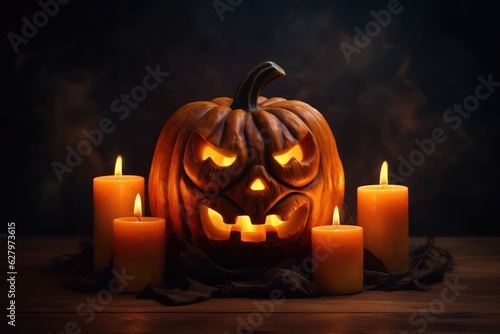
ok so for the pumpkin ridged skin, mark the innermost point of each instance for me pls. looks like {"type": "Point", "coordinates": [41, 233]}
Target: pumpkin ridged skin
{"type": "Point", "coordinates": [180, 181]}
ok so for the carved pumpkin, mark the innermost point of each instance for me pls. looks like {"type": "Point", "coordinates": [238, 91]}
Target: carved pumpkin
{"type": "Point", "coordinates": [246, 179]}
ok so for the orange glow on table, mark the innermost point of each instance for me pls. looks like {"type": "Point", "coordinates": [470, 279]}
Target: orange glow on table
{"type": "Point", "coordinates": [338, 256]}
{"type": "Point", "coordinates": [383, 214]}
{"type": "Point", "coordinates": [139, 249]}
{"type": "Point", "coordinates": [114, 197]}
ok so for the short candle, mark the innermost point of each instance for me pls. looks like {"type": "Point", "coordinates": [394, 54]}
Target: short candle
{"type": "Point", "coordinates": [338, 254]}
{"type": "Point", "coordinates": [383, 214]}
{"type": "Point", "coordinates": [139, 249]}
{"type": "Point", "coordinates": [114, 197]}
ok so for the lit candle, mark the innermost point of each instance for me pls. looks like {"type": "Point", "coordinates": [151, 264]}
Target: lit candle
{"type": "Point", "coordinates": [383, 214]}
{"type": "Point", "coordinates": [139, 249]}
{"type": "Point", "coordinates": [114, 197]}
{"type": "Point", "coordinates": [338, 254]}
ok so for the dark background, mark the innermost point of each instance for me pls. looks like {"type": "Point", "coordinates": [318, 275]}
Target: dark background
{"type": "Point", "coordinates": [394, 91]}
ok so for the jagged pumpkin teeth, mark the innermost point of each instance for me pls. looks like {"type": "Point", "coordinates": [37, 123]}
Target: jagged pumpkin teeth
{"type": "Point", "coordinates": [217, 229]}
{"type": "Point", "coordinates": [250, 232]}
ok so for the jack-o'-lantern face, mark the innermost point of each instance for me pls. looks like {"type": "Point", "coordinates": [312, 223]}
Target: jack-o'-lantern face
{"type": "Point", "coordinates": [246, 179]}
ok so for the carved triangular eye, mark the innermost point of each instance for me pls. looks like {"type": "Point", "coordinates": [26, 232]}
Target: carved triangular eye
{"type": "Point", "coordinates": [219, 156]}
{"type": "Point", "coordinates": [283, 157]}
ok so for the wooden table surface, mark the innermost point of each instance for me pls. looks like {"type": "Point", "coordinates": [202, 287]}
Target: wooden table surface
{"type": "Point", "coordinates": [468, 301]}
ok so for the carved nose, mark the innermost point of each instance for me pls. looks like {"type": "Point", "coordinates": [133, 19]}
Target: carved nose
{"type": "Point", "coordinates": [258, 185]}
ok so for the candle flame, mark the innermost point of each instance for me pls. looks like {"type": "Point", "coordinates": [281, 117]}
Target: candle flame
{"type": "Point", "coordinates": [384, 171]}
{"type": "Point", "coordinates": [336, 218]}
{"type": "Point", "coordinates": [138, 206]}
{"type": "Point", "coordinates": [118, 165]}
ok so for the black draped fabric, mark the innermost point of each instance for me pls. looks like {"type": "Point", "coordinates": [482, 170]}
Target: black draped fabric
{"type": "Point", "coordinates": [191, 276]}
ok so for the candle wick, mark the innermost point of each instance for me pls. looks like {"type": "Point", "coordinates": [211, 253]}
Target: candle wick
{"type": "Point", "coordinates": [139, 219]}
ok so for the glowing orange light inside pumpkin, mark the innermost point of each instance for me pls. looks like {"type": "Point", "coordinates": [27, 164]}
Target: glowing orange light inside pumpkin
{"type": "Point", "coordinates": [257, 184]}
{"type": "Point", "coordinates": [246, 224]}
{"type": "Point", "coordinates": [384, 171]}
{"type": "Point", "coordinates": [118, 165]}
{"type": "Point", "coordinates": [138, 206]}
{"type": "Point", "coordinates": [216, 229]}
{"type": "Point", "coordinates": [336, 217]}
{"type": "Point", "coordinates": [273, 220]}
{"type": "Point", "coordinates": [220, 157]}
{"type": "Point", "coordinates": [217, 220]}
{"type": "Point", "coordinates": [250, 232]}
{"type": "Point", "coordinates": [283, 157]}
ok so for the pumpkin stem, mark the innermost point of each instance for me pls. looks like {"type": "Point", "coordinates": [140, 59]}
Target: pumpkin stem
{"type": "Point", "coordinates": [252, 84]}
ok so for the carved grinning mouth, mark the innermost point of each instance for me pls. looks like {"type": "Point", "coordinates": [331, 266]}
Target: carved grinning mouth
{"type": "Point", "coordinates": [217, 229]}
